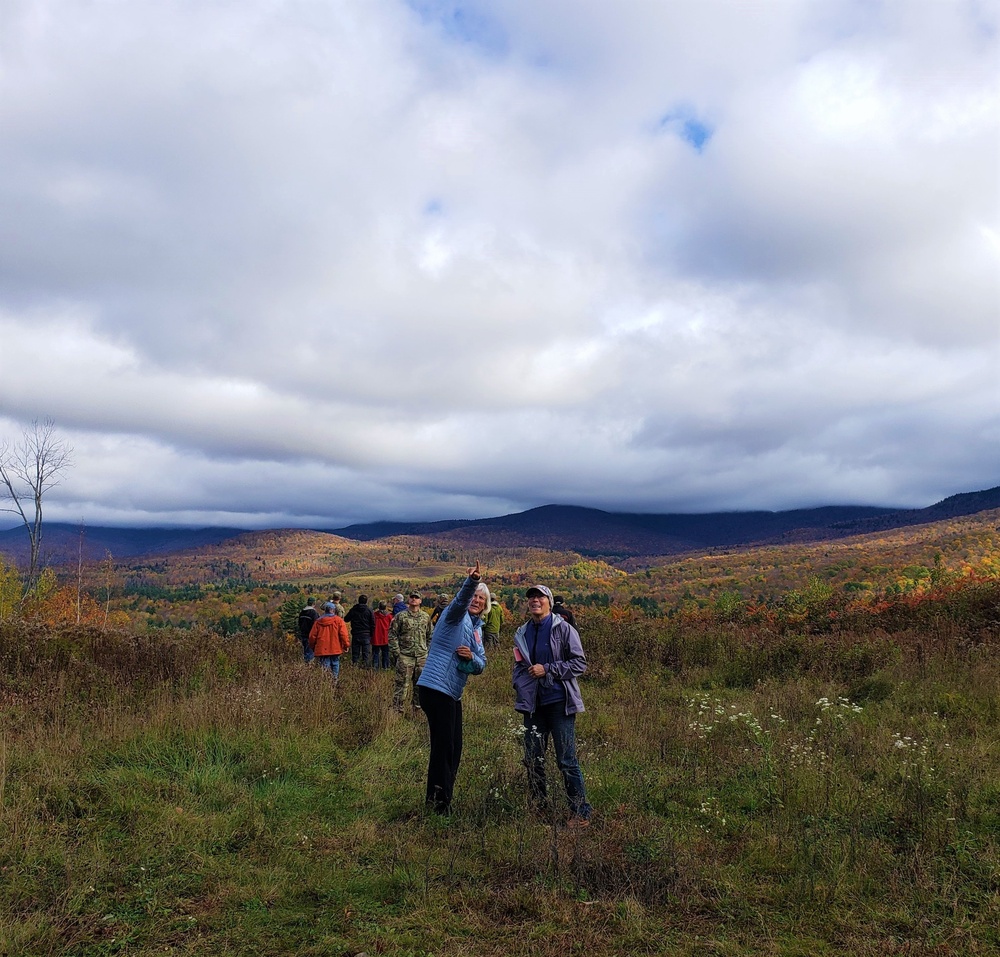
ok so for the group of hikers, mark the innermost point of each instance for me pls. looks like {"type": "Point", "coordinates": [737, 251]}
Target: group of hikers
{"type": "Point", "coordinates": [433, 656]}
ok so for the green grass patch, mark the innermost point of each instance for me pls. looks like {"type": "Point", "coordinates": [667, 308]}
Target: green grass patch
{"type": "Point", "coordinates": [779, 796]}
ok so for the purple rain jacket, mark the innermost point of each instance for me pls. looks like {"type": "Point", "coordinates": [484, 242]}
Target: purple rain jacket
{"type": "Point", "coordinates": [568, 663]}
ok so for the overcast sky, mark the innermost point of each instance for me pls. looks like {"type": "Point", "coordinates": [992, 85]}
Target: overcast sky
{"type": "Point", "coordinates": [313, 262]}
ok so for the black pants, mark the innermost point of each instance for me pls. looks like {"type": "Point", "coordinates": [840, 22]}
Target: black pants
{"type": "Point", "coordinates": [444, 720]}
{"type": "Point", "coordinates": [361, 651]}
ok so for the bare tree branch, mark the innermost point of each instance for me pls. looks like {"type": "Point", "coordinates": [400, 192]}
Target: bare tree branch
{"type": "Point", "coordinates": [29, 468]}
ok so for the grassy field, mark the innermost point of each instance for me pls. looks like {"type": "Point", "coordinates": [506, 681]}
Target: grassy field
{"type": "Point", "coordinates": [755, 793]}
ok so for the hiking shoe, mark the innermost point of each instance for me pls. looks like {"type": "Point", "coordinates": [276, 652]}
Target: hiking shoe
{"type": "Point", "coordinates": [578, 823]}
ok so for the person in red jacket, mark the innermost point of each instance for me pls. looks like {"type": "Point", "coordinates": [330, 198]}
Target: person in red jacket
{"type": "Point", "coordinates": [329, 639]}
{"type": "Point", "coordinates": [380, 637]}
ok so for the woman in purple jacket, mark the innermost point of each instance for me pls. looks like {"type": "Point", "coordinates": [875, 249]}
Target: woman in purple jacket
{"type": "Point", "coordinates": [548, 660]}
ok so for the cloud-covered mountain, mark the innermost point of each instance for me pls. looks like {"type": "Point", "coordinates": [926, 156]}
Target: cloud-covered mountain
{"type": "Point", "coordinates": [584, 530]}
{"type": "Point", "coordinates": [592, 531]}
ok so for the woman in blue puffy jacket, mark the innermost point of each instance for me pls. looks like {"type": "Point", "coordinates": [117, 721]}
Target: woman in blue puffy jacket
{"type": "Point", "coordinates": [455, 652]}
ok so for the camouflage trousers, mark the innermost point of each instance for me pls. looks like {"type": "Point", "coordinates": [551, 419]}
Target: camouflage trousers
{"type": "Point", "coordinates": [408, 668]}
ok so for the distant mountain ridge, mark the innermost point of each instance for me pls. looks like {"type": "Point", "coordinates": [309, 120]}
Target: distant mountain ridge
{"type": "Point", "coordinates": [61, 541]}
{"type": "Point", "coordinates": [965, 503]}
{"type": "Point", "coordinates": [588, 531]}
{"type": "Point", "coordinates": [596, 532]}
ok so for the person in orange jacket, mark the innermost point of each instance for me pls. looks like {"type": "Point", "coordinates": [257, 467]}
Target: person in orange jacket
{"type": "Point", "coordinates": [329, 639]}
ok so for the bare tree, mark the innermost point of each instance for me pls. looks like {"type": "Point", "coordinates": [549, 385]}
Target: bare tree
{"type": "Point", "coordinates": [29, 468]}
{"type": "Point", "coordinates": [109, 576]}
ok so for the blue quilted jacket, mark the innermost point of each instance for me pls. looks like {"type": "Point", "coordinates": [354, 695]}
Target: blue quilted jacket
{"type": "Point", "coordinates": [454, 628]}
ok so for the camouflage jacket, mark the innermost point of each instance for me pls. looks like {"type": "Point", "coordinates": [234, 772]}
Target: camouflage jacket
{"type": "Point", "coordinates": [409, 634]}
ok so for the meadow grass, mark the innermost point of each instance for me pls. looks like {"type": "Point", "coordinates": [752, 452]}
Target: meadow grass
{"type": "Point", "coordinates": [755, 793]}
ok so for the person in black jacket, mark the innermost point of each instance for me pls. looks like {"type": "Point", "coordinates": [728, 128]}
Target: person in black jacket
{"type": "Point", "coordinates": [307, 618]}
{"type": "Point", "coordinates": [560, 609]}
{"type": "Point", "coordinates": [439, 606]}
{"type": "Point", "coordinates": [362, 623]}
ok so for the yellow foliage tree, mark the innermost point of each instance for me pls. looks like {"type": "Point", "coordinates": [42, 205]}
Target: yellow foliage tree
{"type": "Point", "coordinates": [11, 589]}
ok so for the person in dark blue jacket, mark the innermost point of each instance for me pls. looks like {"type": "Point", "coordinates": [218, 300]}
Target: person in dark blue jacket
{"type": "Point", "coordinates": [362, 623]}
{"type": "Point", "coordinates": [455, 652]}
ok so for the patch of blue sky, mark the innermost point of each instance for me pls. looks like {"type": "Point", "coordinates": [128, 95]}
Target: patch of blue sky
{"type": "Point", "coordinates": [464, 23]}
{"type": "Point", "coordinates": [984, 25]}
{"type": "Point", "coordinates": [544, 62]}
{"type": "Point", "coordinates": [684, 123]}
{"type": "Point", "coordinates": [434, 207]}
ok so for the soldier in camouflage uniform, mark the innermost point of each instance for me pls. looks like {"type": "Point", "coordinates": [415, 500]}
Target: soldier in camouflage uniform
{"type": "Point", "coordinates": [408, 638]}
{"type": "Point", "coordinates": [338, 609]}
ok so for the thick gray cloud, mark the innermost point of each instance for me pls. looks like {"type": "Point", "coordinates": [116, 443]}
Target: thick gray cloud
{"type": "Point", "coordinates": [276, 263]}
